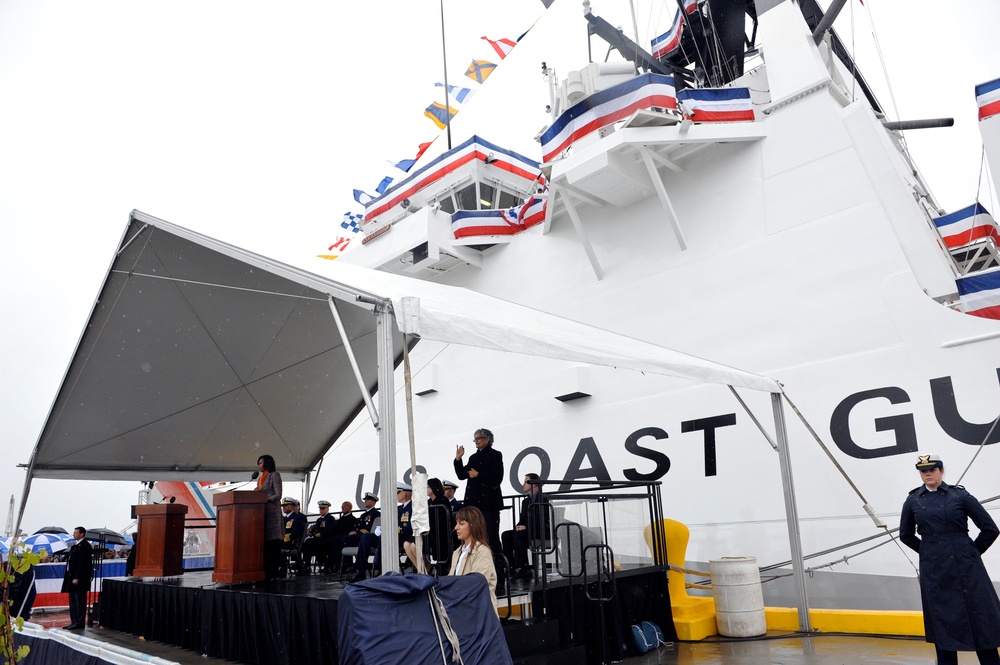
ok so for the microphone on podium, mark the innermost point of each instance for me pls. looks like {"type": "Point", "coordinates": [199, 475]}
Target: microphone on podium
{"type": "Point", "coordinates": [254, 475]}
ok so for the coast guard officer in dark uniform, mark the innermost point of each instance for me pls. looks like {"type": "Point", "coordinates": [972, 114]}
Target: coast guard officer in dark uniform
{"type": "Point", "coordinates": [961, 608]}
{"type": "Point", "coordinates": [449, 491]}
{"type": "Point", "coordinates": [318, 536]}
{"type": "Point", "coordinates": [404, 511]}
{"type": "Point", "coordinates": [295, 524]}
{"type": "Point", "coordinates": [295, 528]}
{"type": "Point", "coordinates": [361, 532]}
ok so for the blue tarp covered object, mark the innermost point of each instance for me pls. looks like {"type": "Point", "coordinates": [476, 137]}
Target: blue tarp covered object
{"type": "Point", "coordinates": [390, 620]}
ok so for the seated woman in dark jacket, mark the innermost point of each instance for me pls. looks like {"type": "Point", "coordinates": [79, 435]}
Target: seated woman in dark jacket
{"type": "Point", "coordinates": [437, 543]}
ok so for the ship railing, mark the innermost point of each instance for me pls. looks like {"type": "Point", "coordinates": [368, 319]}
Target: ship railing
{"type": "Point", "coordinates": [614, 513]}
{"type": "Point", "coordinates": [585, 532]}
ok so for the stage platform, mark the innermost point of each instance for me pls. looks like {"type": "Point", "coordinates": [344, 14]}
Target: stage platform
{"type": "Point", "coordinates": [294, 620]}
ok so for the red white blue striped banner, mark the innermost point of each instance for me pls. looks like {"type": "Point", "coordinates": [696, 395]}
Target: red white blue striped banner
{"type": "Point", "coordinates": [472, 149]}
{"type": "Point", "coordinates": [471, 223]}
{"type": "Point", "coordinates": [988, 99]}
{"type": "Point", "coordinates": [49, 579]}
{"type": "Point", "coordinates": [670, 40]}
{"type": "Point", "coordinates": [605, 108]}
{"type": "Point", "coordinates": [967, 225]}
{"type": "Point", "coordinates": [529, 213]}
{"type": "Point", "coordinates": [980, 295]}
{"type": "Point", "coordinates": [716, 104]}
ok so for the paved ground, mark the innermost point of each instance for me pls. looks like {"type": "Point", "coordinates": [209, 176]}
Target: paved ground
{"type": "Point", "coordinates": [774, 649]}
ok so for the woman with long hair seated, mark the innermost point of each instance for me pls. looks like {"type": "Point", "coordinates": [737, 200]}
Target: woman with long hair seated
{"type": "Point", "coordinates": [474, 555]}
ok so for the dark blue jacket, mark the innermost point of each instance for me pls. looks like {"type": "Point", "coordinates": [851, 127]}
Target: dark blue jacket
{"type": "Point", "coordinates": [404, 511]}
{"type": "Point", "coordinates": [961, 609]}
{"type": "Point", "coordinates": [366, 520]}
{"type": "Point", "coordinates": [295, 528]}
{"type": "Point", "coordinates": [324, 526]}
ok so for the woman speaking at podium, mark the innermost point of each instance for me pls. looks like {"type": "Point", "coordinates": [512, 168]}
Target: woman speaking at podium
{"type": "Point", "coordinates": [269, 482]}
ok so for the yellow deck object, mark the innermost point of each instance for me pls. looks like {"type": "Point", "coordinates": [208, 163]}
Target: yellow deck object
{"type": "Point", "coordinates": [862, 622]}
{"type": "Point", "coordinates": [694, 616]}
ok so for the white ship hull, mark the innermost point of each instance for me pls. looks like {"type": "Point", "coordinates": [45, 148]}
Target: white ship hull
{"type": "Point", "coordinates": [807, 258]}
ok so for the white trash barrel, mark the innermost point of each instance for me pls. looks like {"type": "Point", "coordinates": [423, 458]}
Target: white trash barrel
{"type": "Point", "coordinates": [739, 600]}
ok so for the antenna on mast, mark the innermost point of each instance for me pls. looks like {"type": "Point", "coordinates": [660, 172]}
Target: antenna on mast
{"type": "Point", "coordinates": [444, 60]}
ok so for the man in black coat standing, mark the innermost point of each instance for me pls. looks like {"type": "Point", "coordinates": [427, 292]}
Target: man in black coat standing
{"type": "Point", "coordinates": [76, 581]}
{"type": "Point", "coordinates": [484, 473]}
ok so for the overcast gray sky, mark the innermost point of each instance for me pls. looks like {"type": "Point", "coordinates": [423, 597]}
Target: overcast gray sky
{"type": "Point", "coordinates": [251, 122]}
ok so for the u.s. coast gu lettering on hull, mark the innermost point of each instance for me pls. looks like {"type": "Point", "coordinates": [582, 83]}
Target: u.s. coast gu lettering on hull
{"type": "Point", "coordinates": [646, 443]}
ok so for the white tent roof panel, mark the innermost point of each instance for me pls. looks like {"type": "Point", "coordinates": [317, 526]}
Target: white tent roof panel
{"type": "Point", "coordinates": [200, 356]}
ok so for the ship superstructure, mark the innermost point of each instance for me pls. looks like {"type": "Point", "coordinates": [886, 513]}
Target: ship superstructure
{"type": "Point", "coordinates": [800, 243]}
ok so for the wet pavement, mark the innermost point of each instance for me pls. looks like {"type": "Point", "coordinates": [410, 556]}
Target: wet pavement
{"type": "Point", "coordinates": [793, 649]}
{"type": "Point", "coordinates": [57, 619]}
{"type": "Point", "coordinates": [775, 648]}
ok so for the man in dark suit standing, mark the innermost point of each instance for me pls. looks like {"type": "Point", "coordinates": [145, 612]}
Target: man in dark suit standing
{"type": "Point", "coordinates": [484, 473]}
{"type": "Point", "coordinates": [76, 581]}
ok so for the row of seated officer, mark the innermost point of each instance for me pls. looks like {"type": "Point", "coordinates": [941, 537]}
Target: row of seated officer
{"type": "Point", "coordinates": [321, 537]}
{"type": "Point", "coordinates": [373, 541]}
{"type": "Point", "coordinates": [437, 547]}
{"type": "Point", "coordinates": [362, 527]}
{"type": "Point", "coordinates": [325, 539]}
{"type": "Point", "coordinates": [303, 542]}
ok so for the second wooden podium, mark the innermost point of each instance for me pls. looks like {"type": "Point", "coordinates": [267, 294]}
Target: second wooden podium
{"type": "Point", "coordinates": [239, 537]}
{"type": "Point", "coordinates": [160, 550]}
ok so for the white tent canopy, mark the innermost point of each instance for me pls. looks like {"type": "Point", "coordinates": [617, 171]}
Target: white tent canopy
{"type": "Point", "coordinates": [199, 356]}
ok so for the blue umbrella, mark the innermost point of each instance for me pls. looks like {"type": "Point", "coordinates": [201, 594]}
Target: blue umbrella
{"type": "Point", "coordinates": [50, 542]}
{"type": "Point", "coordinates": [5, 544]}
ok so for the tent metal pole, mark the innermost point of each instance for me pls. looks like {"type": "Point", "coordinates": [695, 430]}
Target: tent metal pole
{"type": "Point", "coordinates": [387, 433]}
{"type": "Point", "coordinates": [315, 480]}
{"type": "Point", "coordinates": [791, 513]}
{"type": "Point", "coordinates": [354, 363]}
{"type": "Point", "coordinates": [753, 417]}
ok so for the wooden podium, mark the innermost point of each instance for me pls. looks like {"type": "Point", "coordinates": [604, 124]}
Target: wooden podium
{"type": "Point", "coordinates": [161, 540]}
{"type": "Point", "coordinates": [239, 537]}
